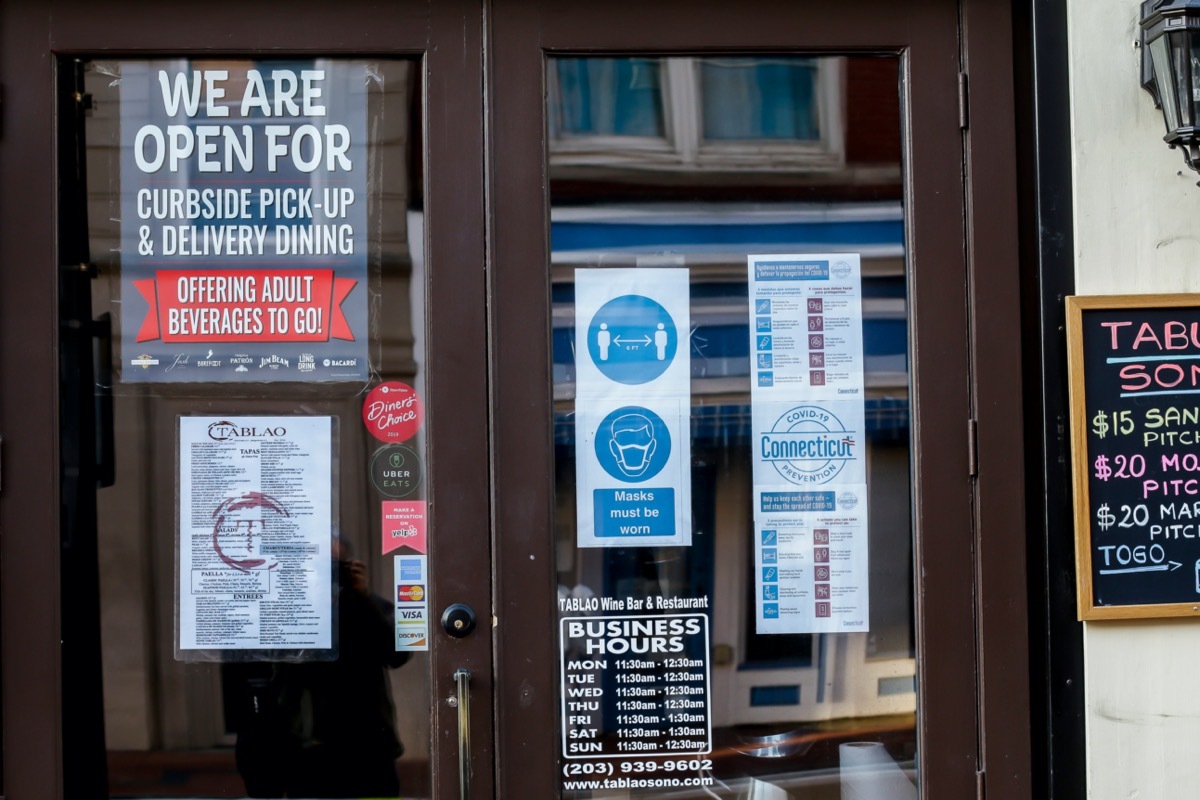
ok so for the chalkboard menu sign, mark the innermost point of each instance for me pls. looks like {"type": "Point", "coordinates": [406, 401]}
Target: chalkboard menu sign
{"type": "Point", "coordinates": [1135, 439]}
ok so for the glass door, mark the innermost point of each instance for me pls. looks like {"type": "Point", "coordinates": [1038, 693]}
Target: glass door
{"type": "Point", "coordinates": [589, 419]}
{"type": "Point", "coordinates": [269, 407]}
{"type": "Point", "coordinates": [264, 534]}
{"type": "Point", "coordinates": [750, 433]}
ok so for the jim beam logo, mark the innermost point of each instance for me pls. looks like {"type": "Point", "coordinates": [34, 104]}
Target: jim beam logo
{"type": "Point", "coordinates": [274, 362]}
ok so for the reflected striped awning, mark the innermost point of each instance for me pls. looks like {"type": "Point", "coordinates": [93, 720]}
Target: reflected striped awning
{"type": "Point", "coordinates": [729, 425]}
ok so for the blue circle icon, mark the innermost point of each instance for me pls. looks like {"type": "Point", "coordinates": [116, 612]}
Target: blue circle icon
{"type": "Point", "coordinates": [633, 444]}
{"type": "Point", "coordinates": [632, 339]}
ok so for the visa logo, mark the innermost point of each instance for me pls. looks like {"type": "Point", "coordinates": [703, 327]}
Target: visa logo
{"type": "Point", "coordinates": [417, 613]}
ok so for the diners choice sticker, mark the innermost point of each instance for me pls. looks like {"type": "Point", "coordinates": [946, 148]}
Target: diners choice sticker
{"type": "Point", "coordinates": [393, 412]}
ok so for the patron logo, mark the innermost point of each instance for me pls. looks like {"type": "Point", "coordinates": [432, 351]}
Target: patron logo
{"type": "Point", "coordinates": [225, 430]}
{"type": "Point", "coordinates": [808, 445]}
{"type": "Point", "coordinates": [410, 593]}
{"type": "Point", "coordinates": [240, 358]}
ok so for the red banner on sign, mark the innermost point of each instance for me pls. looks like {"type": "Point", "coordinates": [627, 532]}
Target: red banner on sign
{"type": "Point", "coordinates": [253, 305]}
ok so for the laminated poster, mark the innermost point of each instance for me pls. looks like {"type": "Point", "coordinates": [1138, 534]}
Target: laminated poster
{"type": "Point", "coordinates": [809, 444]}
{"type": "Point", "coordinates": [243, 221]}
{"type": "Point", "coordinates": [255, 533]}
{"type": "Point", "coordinates": [633, 407]}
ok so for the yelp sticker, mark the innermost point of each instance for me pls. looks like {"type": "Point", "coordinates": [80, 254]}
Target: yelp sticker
{"type": "Point", "coordinates": [393, 412]}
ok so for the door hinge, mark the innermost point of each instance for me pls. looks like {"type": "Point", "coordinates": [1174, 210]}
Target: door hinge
{"type": "Point", "coordinates": [979, 784]}
{"type": "Point", "coordinates": [972, 448]}
{"type": "Point", "coordinates": [964, 101]}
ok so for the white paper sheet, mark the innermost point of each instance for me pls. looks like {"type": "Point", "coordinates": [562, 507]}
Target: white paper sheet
{"type": "Point", "coordinates": [255, 533]}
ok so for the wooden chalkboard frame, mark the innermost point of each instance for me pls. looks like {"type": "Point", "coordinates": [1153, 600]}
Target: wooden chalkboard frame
{"type": "Point", "coordinates": [1076, 307]}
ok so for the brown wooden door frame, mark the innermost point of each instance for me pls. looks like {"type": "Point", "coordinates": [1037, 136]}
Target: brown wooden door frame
{"type": "Point", "coordinates": [983, 561]}
{"type": "Point", "coordinates": [448, 35]}
{"type": "Point", "coordinates": [994, 298]}
{"type": "Point", "coordinates": [971, 594]}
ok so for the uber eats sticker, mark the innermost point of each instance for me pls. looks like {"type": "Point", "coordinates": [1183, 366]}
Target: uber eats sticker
{"type": "Point", "coordinates": [632, 407]}
{"type": "Point", "coordinates": [396, 471]}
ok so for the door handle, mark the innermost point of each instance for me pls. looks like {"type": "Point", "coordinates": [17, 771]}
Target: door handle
{"type": "Point", "coordinates": [462, 677]}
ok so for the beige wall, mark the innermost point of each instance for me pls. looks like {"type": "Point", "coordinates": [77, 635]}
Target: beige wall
{"type": "Point", "coordinates": [1137, 230]}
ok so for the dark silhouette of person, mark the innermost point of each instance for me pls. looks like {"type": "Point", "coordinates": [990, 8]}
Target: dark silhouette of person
{"type": "Point", "coordinates": [326, 728]}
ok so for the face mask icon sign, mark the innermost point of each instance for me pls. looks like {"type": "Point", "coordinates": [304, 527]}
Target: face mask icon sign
{"type": "Point", "coordinates": [632, 444]}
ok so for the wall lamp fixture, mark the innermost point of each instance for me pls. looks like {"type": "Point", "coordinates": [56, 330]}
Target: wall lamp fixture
{"type": "Point", "coordinates": [1171, 70]}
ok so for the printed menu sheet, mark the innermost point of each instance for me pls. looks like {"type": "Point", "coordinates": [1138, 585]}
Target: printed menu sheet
{"type": "Point", "coordinates": [255, 533]}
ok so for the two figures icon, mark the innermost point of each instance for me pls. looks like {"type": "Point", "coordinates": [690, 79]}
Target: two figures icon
{"type": "Point", "coordinates": [604, 339]}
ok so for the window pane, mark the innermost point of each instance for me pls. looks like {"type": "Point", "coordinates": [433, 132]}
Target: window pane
{"type": "Point", "coordinates": [1162, 74]}
{"type": "Point", "coordinates": [711, 644]}
{"type": "Point", "coordinates": [245, 625]}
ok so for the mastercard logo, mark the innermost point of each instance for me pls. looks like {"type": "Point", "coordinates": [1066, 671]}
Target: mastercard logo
{"type": "Point", "coordinates": [412, 593]}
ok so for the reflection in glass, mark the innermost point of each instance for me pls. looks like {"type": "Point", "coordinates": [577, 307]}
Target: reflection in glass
{"type": "Point", "coordinates": [608, 97]}
{"type": "Point", "coordinates": [759, 98]}
{"type": "Point", "coordinates": [803, 713]}
{"type": "Point", "coordinates": [353, 726]}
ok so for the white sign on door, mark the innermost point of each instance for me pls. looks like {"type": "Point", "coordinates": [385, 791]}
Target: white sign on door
{"type": "Point", "coordinates": [809, 443]}
{"type": "Point", "coordinates": [633, 407]}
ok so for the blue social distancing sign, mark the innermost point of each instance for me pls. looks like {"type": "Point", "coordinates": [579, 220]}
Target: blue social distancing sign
{"type": "Point", "coordinates": [632, 339]}
{"type": "Point", "coordinates": [632, 407]}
